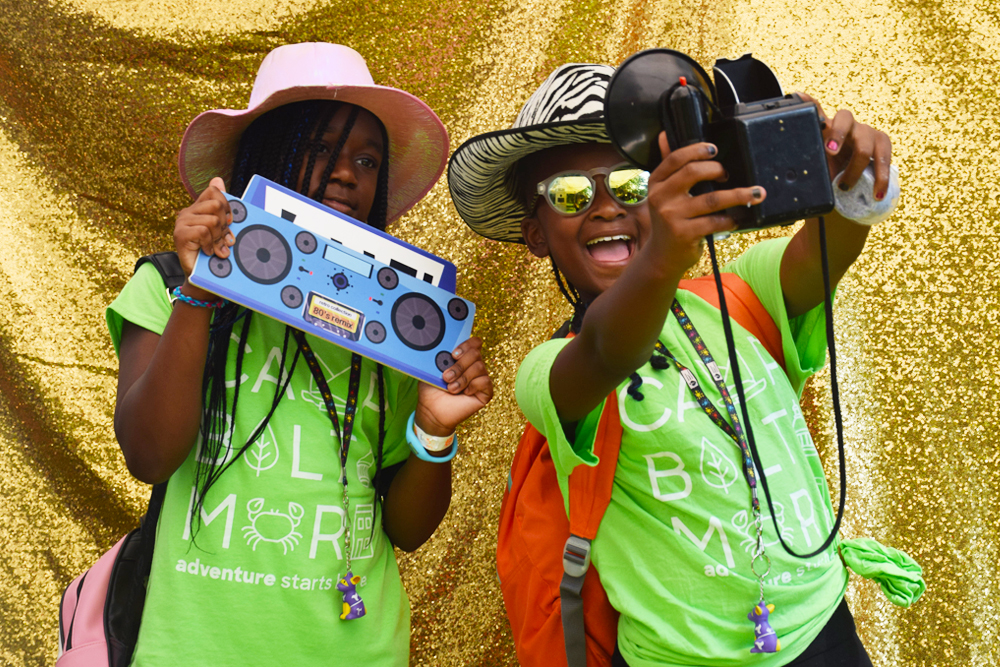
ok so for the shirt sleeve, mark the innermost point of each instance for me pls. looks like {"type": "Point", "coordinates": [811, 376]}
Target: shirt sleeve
{"type": "Point", "coordinates": [143, 301]}
{"type": "Point", "coordinates": [803, 338]}
{"type": "Point", "coordinates": [401, 398]}
{"type": "Point", "coordinates": [535, 400]}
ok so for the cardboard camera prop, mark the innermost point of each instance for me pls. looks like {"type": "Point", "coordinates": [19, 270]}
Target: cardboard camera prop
{"type": "Point", "coordinates": [764, 137]}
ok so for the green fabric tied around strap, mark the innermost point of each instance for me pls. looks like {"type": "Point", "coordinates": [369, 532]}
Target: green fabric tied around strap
{"type": "Point", "coordinates": [899, 575]}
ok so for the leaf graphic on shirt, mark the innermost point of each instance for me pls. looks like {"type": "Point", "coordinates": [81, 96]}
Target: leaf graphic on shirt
{"type": "Point", "coordinates": [717, 469]}
{"type": "Point", "coordinates": [262, 454]}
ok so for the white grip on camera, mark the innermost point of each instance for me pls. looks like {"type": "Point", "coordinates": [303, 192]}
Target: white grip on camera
{"type": "Point", "coordinates": [859, 203]}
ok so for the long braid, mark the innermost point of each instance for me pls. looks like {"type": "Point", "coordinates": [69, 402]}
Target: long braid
{"type": "Point", "coordinates": [331, 163]}
{"type": "Point", "coordinates": [572, 295]}
{"type": "Point", "coordinates": [217, 418]}
{"type": "Point", "coordinates": [271, 137]}
{"type": "Point", "coordinates": [380, 207]}
{"type": "Point", "coordinates": [299, 136]}
{"type": "Point", "coordinates": [315, 144]}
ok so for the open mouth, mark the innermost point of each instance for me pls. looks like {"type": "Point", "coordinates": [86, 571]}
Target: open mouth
{"type": "Point", "coordinates": [611, 249]}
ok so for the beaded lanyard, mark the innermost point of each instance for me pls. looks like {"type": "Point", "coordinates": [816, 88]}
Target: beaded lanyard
{"type": "Point", "coordinates": [353, 607]}
{"type": "Point", "coordinates": [766, 638]}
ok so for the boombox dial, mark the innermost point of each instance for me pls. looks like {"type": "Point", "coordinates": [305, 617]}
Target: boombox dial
{"type": "Point", "coordinates": [291, 296]}
{"type": "Point", "coordinates": [458, 309]}
{"type": "Point", "coordinates": [444, 361]}
{"type": "Point", "coordinates": [220, 266]}
{"type": "Point", "coordinates": [238, 210]}
{"type": "Point", "coordinates": [305, 242]}
{"type": "Point", "coordinates": [262, 254]}
{"type": "Point", "coordinates": [375, 332]}
{"type": "Point", "coordinates": [418, 321]}
{"type": "Point", "coordinates": [387, 278]}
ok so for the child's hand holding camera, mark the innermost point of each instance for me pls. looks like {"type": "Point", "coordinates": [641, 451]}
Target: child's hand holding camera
{"type": "Point", "coordinates": [683, 219]}
{"type": "Point", "coordinates": [851, 146]}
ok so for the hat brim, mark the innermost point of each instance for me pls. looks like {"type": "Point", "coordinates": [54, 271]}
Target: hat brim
{"type": "Point", "coordinates": [482, 181]}
{"type": "Point", "coordinates": [418, 141]}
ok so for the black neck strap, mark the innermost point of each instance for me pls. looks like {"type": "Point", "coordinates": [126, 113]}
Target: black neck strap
{"type": "Point", "coordinates": [350, 409]}
{"type": "Point", "coordinates": [834, 392]}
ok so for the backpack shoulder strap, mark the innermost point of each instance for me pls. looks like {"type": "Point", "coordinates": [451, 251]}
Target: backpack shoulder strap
{"type": "Point", "coordinates": [169, 266]}
{"type": "Point", "coordinates": [589, 495]}
{"type": "Point", "coordinates": [744, 307]}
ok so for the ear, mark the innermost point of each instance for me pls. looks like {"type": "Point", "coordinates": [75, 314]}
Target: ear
{"type": "Point", "coordinates": [770, 607]}
{"type": "Point", "coordinates": [356, 579]}
{"type": "Point", "coordinates": [534, 236]}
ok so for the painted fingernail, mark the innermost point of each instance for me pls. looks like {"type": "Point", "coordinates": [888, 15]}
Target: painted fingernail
{"type": "Point", "coordinates": [457, 352]}
{"type": "Point", "coordinates": [756, 193]}
{"type": "Point", "coordinates": [843, 187]}
{"type": "Point", "coordinates": [833, 145]}
{"type": "Point", "coordinates": [880, 196]}
{"type": "Point", "coordinates": [712, 150]}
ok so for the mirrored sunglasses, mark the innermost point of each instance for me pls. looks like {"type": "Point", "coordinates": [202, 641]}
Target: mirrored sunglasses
{"type": "Point", "coordinates": [572, 192]}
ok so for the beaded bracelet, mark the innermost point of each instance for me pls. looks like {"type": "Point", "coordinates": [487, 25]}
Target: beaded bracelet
{"type": "Point", "coordinates": [180, 296]}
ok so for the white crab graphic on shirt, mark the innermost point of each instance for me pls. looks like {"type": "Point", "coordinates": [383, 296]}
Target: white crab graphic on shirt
{"type": "Point", "coordinates": [272, 525]}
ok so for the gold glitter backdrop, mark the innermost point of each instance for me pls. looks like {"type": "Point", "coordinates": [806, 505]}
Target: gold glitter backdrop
{"type": "Point", "coordinates": [94, 95]}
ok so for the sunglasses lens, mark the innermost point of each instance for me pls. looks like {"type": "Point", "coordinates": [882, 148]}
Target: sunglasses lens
{"type": "Point", "coordinates": [629, 186]}
{"type": "Point", "coordinates": [570, 194]}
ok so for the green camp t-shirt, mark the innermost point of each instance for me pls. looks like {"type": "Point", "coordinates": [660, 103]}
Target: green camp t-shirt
{"type": "Point", "coordinates": [673, 549]}
{"type": "Point", "coordinates": [256, 585]}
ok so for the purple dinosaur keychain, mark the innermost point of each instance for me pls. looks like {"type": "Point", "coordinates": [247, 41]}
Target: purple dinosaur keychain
{"type": "Point", "coordinates": [765, 638]}
{"type": "Point", "coordinates": [354, 606]}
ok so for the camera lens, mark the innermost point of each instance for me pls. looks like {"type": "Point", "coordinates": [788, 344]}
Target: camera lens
{"type": "Point", "coordinates": [791, 175]}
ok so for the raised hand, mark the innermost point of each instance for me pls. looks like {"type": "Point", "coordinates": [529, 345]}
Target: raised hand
{"type": "Point", "coordinates": [204, 225]}
{"type": "Point", "coordinates": [470, 388]}
{"type": "Point", "coordinates": [851, 146]}
{"type": "Point", "coordinates": [686, 220]}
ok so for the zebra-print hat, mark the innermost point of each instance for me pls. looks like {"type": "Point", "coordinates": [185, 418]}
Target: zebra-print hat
{"type": "Point", "coordinates": [568, 108]}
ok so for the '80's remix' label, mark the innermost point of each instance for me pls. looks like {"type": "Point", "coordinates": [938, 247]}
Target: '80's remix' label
{"type": "Point", "coordinates": [333, 316]}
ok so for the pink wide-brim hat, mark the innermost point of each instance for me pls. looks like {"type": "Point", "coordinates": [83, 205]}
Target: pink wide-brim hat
{"type": "Point", "coordinates": [418, 141]}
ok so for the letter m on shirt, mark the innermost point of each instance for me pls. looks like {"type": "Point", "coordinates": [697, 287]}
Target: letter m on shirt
{"type": "Point", "coordinates": [713, 525]}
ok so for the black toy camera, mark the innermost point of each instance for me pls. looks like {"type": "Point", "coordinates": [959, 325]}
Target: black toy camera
{"type": "Point", "coordinates": [764, 137]}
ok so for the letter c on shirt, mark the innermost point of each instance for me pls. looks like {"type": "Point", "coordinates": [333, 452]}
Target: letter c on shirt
{"type": "Point", "coordinates": [646, 382]}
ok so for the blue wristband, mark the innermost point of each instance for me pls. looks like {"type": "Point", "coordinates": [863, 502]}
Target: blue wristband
{"type": "Point", "coordinates": [418, 448]}
{"type": "Point", "coordinates": [184, 298]}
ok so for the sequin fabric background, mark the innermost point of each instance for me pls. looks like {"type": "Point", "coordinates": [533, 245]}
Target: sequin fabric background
{"type": "Point", "coordinates": [94, 96]}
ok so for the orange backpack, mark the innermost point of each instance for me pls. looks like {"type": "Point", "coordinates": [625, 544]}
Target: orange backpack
{"type": "Point", "coordinates": [559, 613]}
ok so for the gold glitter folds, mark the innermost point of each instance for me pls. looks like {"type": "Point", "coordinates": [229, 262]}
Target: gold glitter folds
{"type": "Point", "coordinates": [94, 95]}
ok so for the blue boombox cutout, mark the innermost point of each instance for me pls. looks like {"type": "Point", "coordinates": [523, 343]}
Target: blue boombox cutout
{"type": "Point", "coordinates": [328, 289]}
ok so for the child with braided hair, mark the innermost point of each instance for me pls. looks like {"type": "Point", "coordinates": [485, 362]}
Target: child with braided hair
{"type": "Point", "coordinates": [294, 467]}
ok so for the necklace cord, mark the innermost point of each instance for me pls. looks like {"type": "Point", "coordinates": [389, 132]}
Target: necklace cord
{"type": "Point", "coordinates": [834, 392]}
